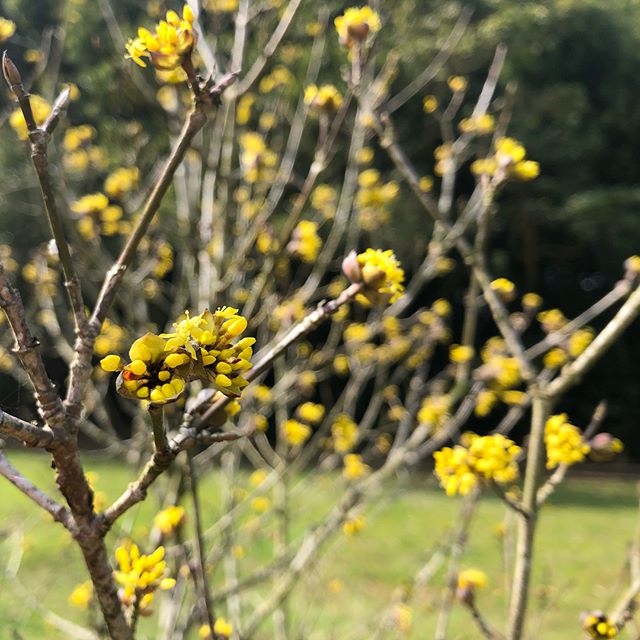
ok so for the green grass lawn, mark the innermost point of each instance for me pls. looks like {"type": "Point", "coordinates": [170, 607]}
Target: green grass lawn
{"type": "Point", "coordinates": [582, 546]}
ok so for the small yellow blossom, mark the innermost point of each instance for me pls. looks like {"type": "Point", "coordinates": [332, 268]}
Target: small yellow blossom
{"type": "Point", "coordinates": [7, 29]}
{"type": "Point", "coordinates": [380, 272]}
{"type": "Point", "coordinates": [41, 110]}
{"type": "Point", "coordinates": [473, 578]}
{"type": "Point", "coordinates": [564, 442]}
{"type": "Point", "coordinates": [491, 458]}
{"type": "Point", "coordinates": [260, 504]}
{"type": "Point", "coordinates": [81, 596]}
{"type": "Point", "coordinates": [430, 104]}
{"type": "Point", "coordinates": [325, 98]}
{"type": "Point", "coordinates": [169, 46]}
{"type": "Point", "coordinates": [139, 575]}
{"type": "Point", "coordinates": [460, 353]}
{"type": "Point", "coordinates": [598, 625]}
{"type": "Point", "coordinates": [121, 181]}
{"type": "Point", "coordinates": [457, 83]}
{"type": "Point", "coordinates": [344, 432]}
{"type": "Point", "coordinates": [485, 402]}
{"type": "Point", "coordinates": [403, 617]}
{"type": "Point", "coordinates": [356, 24]}
{"type": "Point", "coordinates": [480, 125]}
{"type": "Point", "coordinates": [504, 288]}
{"type": "Point", "coordinates": [310, 412]}
{"type": "Point", "coordinates": [579, 340]}
{"type": "Point", "coordinates": [434, 410]}
{"type": "Point", "coordinates": [77, 137]}
{"type": "Point", "coordinates": [169, 519]}
{"type": "Point", "coordinates": [531, 301]}
{"type": "Point", "coordinates": [296, 433]}
{"type": "Point", "coordinates": [555, 358]}
{"type": "Point", "coordinates": [353, 525]}
{"type": "Point", "coordinates": [305, 241]}
{"type": "Point", "coordinates": [354, 467]}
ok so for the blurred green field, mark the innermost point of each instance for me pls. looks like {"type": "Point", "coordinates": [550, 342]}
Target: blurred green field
{"type": "Point", "coordinates": [582, 547]}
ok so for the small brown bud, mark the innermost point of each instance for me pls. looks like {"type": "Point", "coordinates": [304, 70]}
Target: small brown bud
{"type": "Point", "coordinates": [351, 268]}
{"type": "Point", "coordinates": [10, 71]}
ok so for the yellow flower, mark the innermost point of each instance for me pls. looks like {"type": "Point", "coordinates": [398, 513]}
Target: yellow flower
{"type": "Point", "coordinates": [169, 46]}
{"type": "Point", "coordinates": [460, 353]}
{"type": "Point", "coordinates": [41, 110]}
{"type": "Point", "coordinates": [260, 504]}
{"type": "Point", "coordinates": [485, 402]}
{"type": "Point", "coordinates": [531, 301]}
{"type": "Point", "coordinates": [354, 467]}
{"type": "Point", "coordinates": [430, 104]}
{"type": "Point", "coordinates": [77, 137]}
{"type": "Point", "coordinates": [325, 98]}
{"type": "Point", "coordinates": [564, 442]}
{"type": "Point", "coordinates": [356, 24]}
{"type": "Point", "coordinates": [504, 288]}
{"type": "Point", "coordinates": [7, 28]}
{"type": "Point", "coordinates": [153, 374]}
{"type": "Point", "coordinates": [457, 83]}
{"type": "Point", "coordinates": [555, 358]}
{"type": "Point", "coordinates": [579, 340]}
{"type": "Point", "coordinates": [473, 578]}
{"type": "Point", "coordinates": [139, 575]}
{"type": "Point", "coordinates": [490, 458]}
{"type": "Point", "coordinates": [379, 271]}
{"type": "Point", "coordinates": [344, 432]}
{"type": "Point", "coordinates": [121, 181]}
{"type": "Point", "coordinates": [295, 432]}
{"type": "Point", "coordinates": [81, 595]}
{"type": "Point", "coordinates": [207, 338]}
{"type": "Point", "coordinates": [305, 241]}
{"type": "Point", "coordinates": [434, 410]}
{"type": "Point", "coordinates": [353, 525]}
{"type": "Point", "coordinates": [426, 183]}
{"type": "Point", "coordinates": [169, 519]}
{"type": "Point", "coordinates": [551, 320]}
{"type": "Point", "coordinates": [403, 617]}
{"type": "Point", "coordinates": [479, 124]}
{"type": "Point", "coordinates": [598, 625]}
{"type": "Point", "coordinates": [310, 412]}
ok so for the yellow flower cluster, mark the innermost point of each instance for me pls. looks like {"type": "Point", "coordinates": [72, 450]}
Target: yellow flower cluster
{"type": "Point", "coordinates": [435, 410]}
{"type": "Point", "coordinates": [374, 198]}
{"type": "Point", "coordinates": [82, 594]}
{"type": "Point", "coordinates": [344, 432]}
{"type": "Point", "coordinates": [310, 412]}
{"type": "Point", "coordinates": [200, 348]}
{"type": "Point", "coordinates": [324, 199]}
{"type": "Point", "coordinates": [41, 110]}
{"type": "Point", "coordinates": [380, 273]}
{"type": "Point", "coordinates": [257, 161]}
{"type": "Point", "coordinates": [7, 28]}
{"type": "Point", "coordinates": [169, 46]}
{"type": "Point", "coordinates": [111, 338]}
{"type": "Point", "coordinates": [169, 519]}
{"type": "Point", "coordinates": [221, 628]}
{"type": "Point", "coordinates": [509, 161]}
{"type": "Point", "coordinates": [598, 625]}
{"type": "Point", "coordinates": [140, 575]}
{"type": "Point", "coordinates": [80, 153]}
{"type": "Point", "coordinates": [564, 442]}
{"type": "Point", "coordinates": [356, 24]}
{"type": "Point", "coordinates": [280, 76]}
{"type": "Point", "coordinates": [305, 241]}
{"type": "Point", "coordinates": [96, 215]}
{"type": "Point", "coordinates": [325, 99]}
{"type": "Point", "coordinates": [468, 581]}
{"type": "Point", "coordinates": [207, 338]}
{"type": "Point", "coordinates": [77, 137]}
{"type": "Point", "coordinates": [354, 467]}
{"type": "Point", "coordinates": [353, 525]}
{"type": "Point", "coordinates": [480, 125]}
{"type": "Point", "coordinates": [491, 458]}
{"type": "Point", "coordinates": [119, 182]}
{"type": "Point", "coordinates": [295, 433]}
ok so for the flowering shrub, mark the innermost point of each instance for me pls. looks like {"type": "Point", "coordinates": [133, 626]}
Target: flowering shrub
{"type": "Point", "coordinates": [360, 369]}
